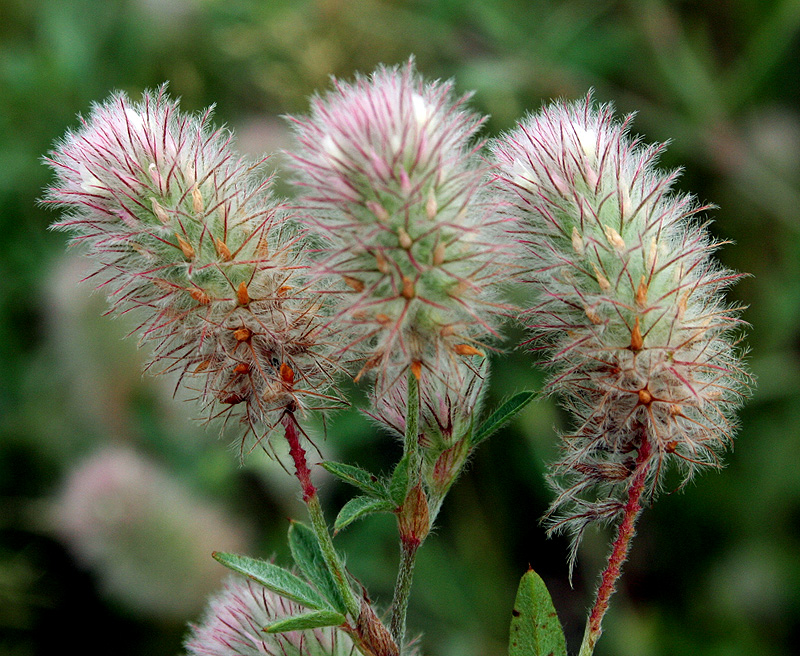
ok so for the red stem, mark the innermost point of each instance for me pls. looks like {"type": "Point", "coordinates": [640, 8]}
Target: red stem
{"type": "Point", "coordinates": [619, 551]}
{"type": "Point", "coordinates": [298, 454]}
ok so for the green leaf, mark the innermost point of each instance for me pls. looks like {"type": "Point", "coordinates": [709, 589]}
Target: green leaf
{"type": "Point", "coordinates": [504, 413]}
{"type": "Point", "coordinates": [277, 579]}
{"type": "Point", "coordinates": [398, 485]}
{"type": "Point", "coordinates": [308, 556]}
{"type": "Point", "coordinates": [359, 507]}
{"type": "Point", "coordinates": [358, 477]}
{"type": "Point", "coordinates": [313, 620]}
{"type": "Point", "coordinates": [535, 629]}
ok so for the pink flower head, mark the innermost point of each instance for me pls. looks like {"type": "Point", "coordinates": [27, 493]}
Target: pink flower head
{"type": "Point", "coordinates": [144, 534]}
{"type": "Point", "coordinates": [396, 190]}
{"type": "Point", "coordinates": [628, 306]}
{"type": "Point", "coordinates": [234, 621]}
{"type": "Point", "coordinates": [188, 234]}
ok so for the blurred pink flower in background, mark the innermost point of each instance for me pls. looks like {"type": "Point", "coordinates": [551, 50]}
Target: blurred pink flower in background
{"type": "Point", "coordinates": [146, 536]}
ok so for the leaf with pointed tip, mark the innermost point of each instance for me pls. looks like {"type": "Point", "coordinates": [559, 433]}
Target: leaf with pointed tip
{"type": "Point", "coordinates": [358, 507]}
{"type": "Point", "coordinates": [314, 620]}
{"type": "Point", "coordinates": [358, 477]}
{"type": "Point", "coordinates": [503, 414]}
{"type": "Point", "coordinates": [535, 629]}
{"type": "Point", "coordinates": [308, 556]}
{"type": "Point", "coordinates": [398, 484]}
{"type": "Point", "coordinates": [277, 579]}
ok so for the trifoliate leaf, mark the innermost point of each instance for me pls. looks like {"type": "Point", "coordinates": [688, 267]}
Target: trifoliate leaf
{"type": "Point", "coordinates": [358, 477]}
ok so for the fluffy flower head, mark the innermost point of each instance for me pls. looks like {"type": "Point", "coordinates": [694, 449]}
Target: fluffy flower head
{"type": "Point", "coordinates": [144, 534]}
{"type": "Point", "coordinates": [628, 305]}
{"type": "Point", "coordinates": [188, 234]}
{"type": "Point", "coordinates": [395, 190]}
{"type": "Point", "coordinates": [234, 621]}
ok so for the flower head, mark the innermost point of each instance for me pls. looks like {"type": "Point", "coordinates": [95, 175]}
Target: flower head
{"type": "Point", "coordinates": [188, 234]}
{"type": "Point", "coordinates": [449, 405]}
{"type": "Point", "coordinates": [144, 534]}
{"type": "Point", "coordinates": [234, 621]}
{"type": "Point", "coordinates": [628, 306]}
{"type": "Point", "coordinates": [396, 191]}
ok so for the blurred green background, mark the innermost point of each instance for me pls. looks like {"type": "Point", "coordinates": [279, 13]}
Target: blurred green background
{"type": "Point", "coordinates": [107, 551]}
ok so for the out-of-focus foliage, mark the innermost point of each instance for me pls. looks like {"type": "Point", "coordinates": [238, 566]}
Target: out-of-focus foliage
{"type": "Point", "coordinates": [714, 568]}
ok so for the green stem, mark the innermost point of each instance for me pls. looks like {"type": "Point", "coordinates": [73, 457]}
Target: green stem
{"type": "Point", "coordinates": [320, 527]}
{"type": "Point", "coordinates": [408, 543]}
{"type": "Point", "coordinates": [402, 591]}
{"type": "Point", "coordinates": [318, 523]}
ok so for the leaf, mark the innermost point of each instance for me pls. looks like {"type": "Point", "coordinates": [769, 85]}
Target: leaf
{"type": "Point", "coordinates": [308, 556]}
{"type": "Point", "coordinates": [358, 507]}
{"type": "Point", "coordinates": [535, 629]}
{"type": "Point", "coordinates": [358, 477]}
{"type": "Point", "coordinates": [503, 414]}
{"type": "Point", "coordinates": [313, 620]}
{"type": "Point", "coordinates": [277, 579]}
{"type": "Point", "coordinates": [398, 485]}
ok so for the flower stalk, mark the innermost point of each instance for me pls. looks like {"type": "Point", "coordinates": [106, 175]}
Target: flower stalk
{"type": "Point", "coordinates": [402, 590]}
{"type": "Point", "coordinates": [619, 551]}
{"type": "Point", "coordinates": [389, 268]}
{"type": "Point", "coordinates": [317, 516]}
{"type": "Point", "coordinates": [411, 437]}
{"type": "Point", "coordinates": [397, 196]}
{"type": "Point", "coordinates": [412, 517]}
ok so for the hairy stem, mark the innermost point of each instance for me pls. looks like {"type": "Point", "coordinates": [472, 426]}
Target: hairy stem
{"type": "Point", "coordinates": [619, 551]}
{"type": "Point", "coordinates": [318, 523]}
{"type": "Point", "coordinates": [409, 541]}
{"type": "Point", "coordinates": [402, 591]}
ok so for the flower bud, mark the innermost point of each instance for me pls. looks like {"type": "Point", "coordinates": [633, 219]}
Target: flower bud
{"type": "Point", "coordinates": [414, 517]}
{"type": "Point", "coordinates": [449, 404]}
